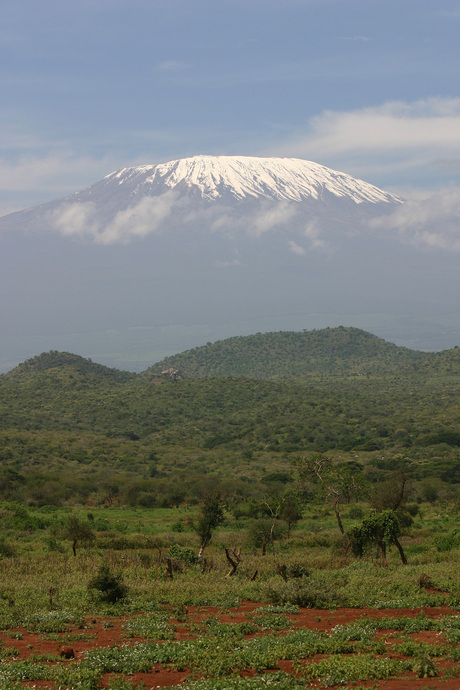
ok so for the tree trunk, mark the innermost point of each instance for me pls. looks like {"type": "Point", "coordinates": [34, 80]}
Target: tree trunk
{"type": "Point", "coordinates": [204, 543]}
{"type": "Point", "coordinates": [233, 564]}
{"type": "Point", "coordinates": [169, 569]}
{"type": "Point", "coordinates": [337, 515]}
{"type": "Point", "coordinates": [401, 552]}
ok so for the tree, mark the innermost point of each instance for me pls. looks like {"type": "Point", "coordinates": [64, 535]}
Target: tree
{"type": "Point", "coordinates": [109, 586]}
{"type": "Point", "coordinates": [78, 532]}
{"type": "Point", "coordinates": [291, 511]}
{"type": "Point", "coordinates": [262, 532]}
{"type": "Point", "coordinates": [211, 516]}
{"type": "Point", "coordinates": [339, 482]}
{"type": "Point", "coordinates": [393, 495]}
{"type": "Point", "coordinates": [382, 529]}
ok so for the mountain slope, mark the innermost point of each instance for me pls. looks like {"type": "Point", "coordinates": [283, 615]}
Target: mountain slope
{"type": "Point", "coordinates": [293, 355]}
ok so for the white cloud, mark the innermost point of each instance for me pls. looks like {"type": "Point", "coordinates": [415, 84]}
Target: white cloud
{"type": "Point", "coordinates": [273, 217]}
{"type": "Point", "coordinates": [172, 66]}
{"type": "Point", "coordinates": [228, 264]}
{"type": "Point", "coordinates": [427, 220]}
{"type": "Point", "coordinates": [143, 219]}
{"type": "Point", "coordinates": [59, 172]}
{"type": "Point", "coordinates": [75, 220]}
{"type": "Point", "coordinates": [361, 39]}
{"type": "Point", "coordinates": [396, 137]}
{"type": "Point", "coordinates": [432, 123]}
{"type": "Point", "coordinates": [296, 248]}
{"type": "Point", "coordinates": [140, 220]}
{"type": "Point", "coordinates": [312, 232]}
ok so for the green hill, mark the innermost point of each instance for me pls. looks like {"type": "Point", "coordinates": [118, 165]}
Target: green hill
{"type": "Point", "coordinates": [244, 408]}
{"type": "Point", "coordinates": [65, 366]}
{"type": "Point", "coordinates": [339, 351]}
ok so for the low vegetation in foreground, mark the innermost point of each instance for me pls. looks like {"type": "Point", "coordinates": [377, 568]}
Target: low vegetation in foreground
{"type": "Point", "coordinates": [118, 598]}
{"type": "Point", "coordinates": [283, 513]}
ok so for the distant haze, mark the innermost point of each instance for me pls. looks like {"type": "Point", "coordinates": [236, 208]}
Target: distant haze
{"type": "Point", "coordinates": [157, 259]}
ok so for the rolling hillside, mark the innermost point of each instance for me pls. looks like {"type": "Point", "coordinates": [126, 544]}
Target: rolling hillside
{"type": "Point", "coordinates": [335, 351]}
{"type": "Point", "coordinates": [244, 409]}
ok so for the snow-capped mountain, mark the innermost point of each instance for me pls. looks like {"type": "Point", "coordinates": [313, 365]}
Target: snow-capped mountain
{"type": "Point", "coordinates": [226, 193]}
{"type": "Point", "coordinates": [242, 177]}
{"type": "Point", "coordinates": [154, 259]}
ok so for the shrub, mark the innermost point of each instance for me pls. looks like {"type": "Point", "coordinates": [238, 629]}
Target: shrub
{"type": "Point", "coordinates": [7, 550]}
{"type": "Point", "coordinates": [449, 541]}
{"type": "Point", "coordinates": [108, 586]}
{"type": "Point", "coordinates": [183, 554]}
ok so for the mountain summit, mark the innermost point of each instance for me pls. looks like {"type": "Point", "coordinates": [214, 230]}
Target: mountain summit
{"type": "Point", "coordinates": [240, 177]}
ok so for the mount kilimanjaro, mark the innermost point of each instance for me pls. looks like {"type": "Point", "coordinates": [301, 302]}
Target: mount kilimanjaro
{"type": "Point", "coordinates": [154, 259]}
{"type": "Point", "coordinates": [142, 200]}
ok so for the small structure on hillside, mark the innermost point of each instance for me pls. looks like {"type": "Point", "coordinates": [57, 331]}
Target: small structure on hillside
{"type": "Point", "coordinates": [171, 373]}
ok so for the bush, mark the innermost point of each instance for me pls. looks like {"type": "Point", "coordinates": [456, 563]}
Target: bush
{"type": "Point", "coordinates": [6, 550]}
{"type": "Point", "coordinates": [449, 541]}
{"type": "Point", "coordinates": [182, 554]}
{"type": "Point", "coordinates": [108, 586]}
{"type": "Point", "coordinates": [301, 593]}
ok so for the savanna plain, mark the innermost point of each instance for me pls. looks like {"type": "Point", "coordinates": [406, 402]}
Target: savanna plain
{"type": "Point", "coordinates": [278, 510]}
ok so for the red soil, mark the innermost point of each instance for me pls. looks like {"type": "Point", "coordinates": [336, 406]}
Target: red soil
{"type": "Point", "coordinates": [100, 635]}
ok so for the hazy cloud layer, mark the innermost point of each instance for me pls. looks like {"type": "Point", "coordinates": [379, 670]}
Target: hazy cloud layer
{"type": "Point", "coordinates": [140, 220]}
{"type": "Point", "coordinates": [424, 124]}
{"type": "Point", "coordinates": [49, 175]}
{"type": "Point", "coordinates": [426, 220]}
{"type": "Point", "coordinates": [272, 218]}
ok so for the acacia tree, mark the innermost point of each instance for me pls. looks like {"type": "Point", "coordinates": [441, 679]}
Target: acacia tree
{"type": "Point", "coordinates": [78, 532]}
{"type": "Point", "coordinates": [339, 482]}
{"type": "Point", "coordinates": [381, 529]}
{"type": "Point", "coordinates": [394, 493]}
{"type": "Point", "coordinates": [291, 511]}
{"type": "Point", "coordinates": [211, 516]}
{"type": "Point", "coordinates": [263, 532]}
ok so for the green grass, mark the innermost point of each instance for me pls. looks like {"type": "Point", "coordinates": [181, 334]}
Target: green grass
{"type": "Point", "coordinates": [217, 650]}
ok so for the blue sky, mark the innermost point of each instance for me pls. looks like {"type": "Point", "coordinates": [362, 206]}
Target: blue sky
{"type": "Point", "coordinates": [368, 87]}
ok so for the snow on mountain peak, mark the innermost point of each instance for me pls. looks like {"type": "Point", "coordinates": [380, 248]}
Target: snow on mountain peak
{"type": "Point", "coordinates": [281, 179]}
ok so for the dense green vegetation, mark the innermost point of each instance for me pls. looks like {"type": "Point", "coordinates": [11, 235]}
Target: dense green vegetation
{"type": "Point", "coordinates": [75, 431]}
{"type": "Point", "coordinates": [293, 355]}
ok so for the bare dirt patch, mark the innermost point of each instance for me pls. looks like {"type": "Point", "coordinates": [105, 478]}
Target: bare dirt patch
{"type": "Point", "coordinates": [109, 632]}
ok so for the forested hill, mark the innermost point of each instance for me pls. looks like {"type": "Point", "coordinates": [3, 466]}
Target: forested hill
{"type": "Point", "coordinates": [67, 367]}
{"type": "Point", "coordinates": [289, 354]}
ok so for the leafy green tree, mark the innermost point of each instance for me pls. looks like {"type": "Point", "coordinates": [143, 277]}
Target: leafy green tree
{"type": "Point", "coordinates": [291, 511]}
{"type": "Point", "coordinates": [381, 529]}
{"type": "Point", "coordinates": [210, 517]}
{"type": "Point", "coordinates": [263, 532]}
{"type": "Point", "coordinates": [339, 482]}
{"type": "Point", "coordinates": [78, 532]}
{"type": "Point", "coordinates": [109, 586]}
{"type": "Point", "coordinates": [394, 495]}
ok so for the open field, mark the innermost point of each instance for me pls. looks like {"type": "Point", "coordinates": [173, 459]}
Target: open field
{"type": "Point", "coordinates": [302, 615]}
